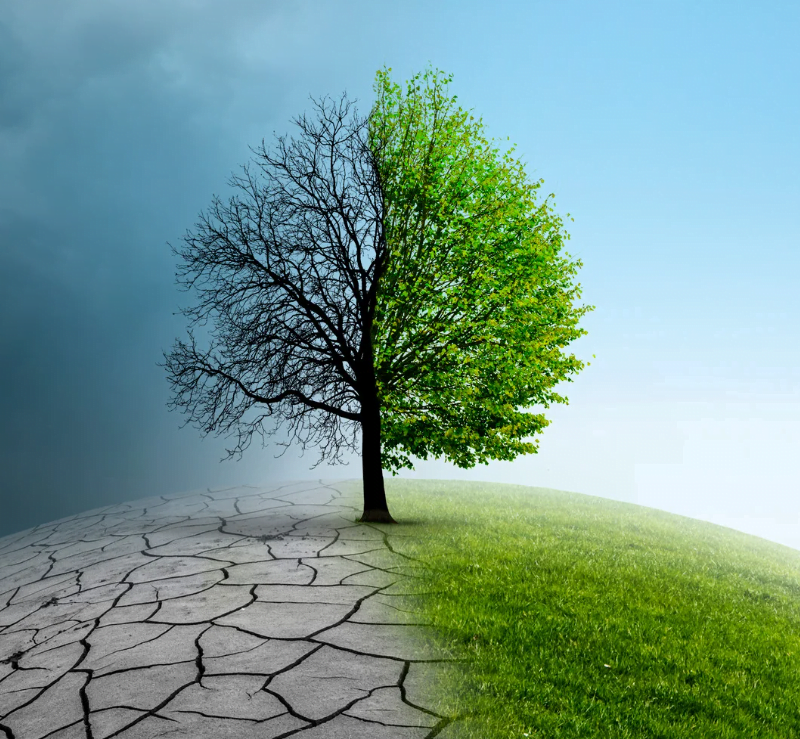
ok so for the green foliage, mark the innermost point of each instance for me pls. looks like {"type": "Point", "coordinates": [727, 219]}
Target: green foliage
{"type": "Point", "coordinates": [475, 303]}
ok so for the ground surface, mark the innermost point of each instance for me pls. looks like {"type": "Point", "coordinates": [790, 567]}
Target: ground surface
{"type": "Point", "coordinates": [246, 612]}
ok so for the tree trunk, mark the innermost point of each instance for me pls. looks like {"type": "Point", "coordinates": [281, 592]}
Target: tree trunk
{"type": "Point", "coordinates": [375, 508]}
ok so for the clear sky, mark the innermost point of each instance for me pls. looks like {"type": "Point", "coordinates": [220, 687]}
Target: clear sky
{"type": "Point", "coordinates": [669, 132]}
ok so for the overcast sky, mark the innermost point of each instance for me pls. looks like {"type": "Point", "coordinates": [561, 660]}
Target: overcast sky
{"type": "Point", "coordinates": [669, 132]}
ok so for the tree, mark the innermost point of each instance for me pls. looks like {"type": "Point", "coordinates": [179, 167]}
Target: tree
{"type": "Point", "coordinates": [429, 346]}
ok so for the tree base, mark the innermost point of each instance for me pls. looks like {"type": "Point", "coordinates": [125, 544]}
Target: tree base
{"type": "Point", "coordinates": [376, 516]}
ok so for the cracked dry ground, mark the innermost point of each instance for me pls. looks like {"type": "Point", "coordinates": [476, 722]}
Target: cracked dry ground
{"type": "Point", "coordinates": [245, 612]}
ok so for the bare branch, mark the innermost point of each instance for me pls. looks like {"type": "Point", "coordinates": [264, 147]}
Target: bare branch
{"type": "Point", "coordinates": [281, 269]}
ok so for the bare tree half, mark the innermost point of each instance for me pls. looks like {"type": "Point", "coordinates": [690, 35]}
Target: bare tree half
{"type": "Point", "coordinates": [284, 266]}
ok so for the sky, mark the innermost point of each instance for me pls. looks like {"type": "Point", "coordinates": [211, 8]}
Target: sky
{"type": "Point", "coordinates": [668, 132]}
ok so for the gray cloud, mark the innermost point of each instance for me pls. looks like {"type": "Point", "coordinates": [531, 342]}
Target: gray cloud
{"type": "Point", "coordinates": [118, 122]}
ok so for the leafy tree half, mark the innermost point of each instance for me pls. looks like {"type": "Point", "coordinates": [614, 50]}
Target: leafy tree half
{"type": "Point", "coordinates": [476, 301]}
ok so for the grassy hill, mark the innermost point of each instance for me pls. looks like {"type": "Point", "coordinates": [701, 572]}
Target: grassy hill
{"type": "Point", "coordinates": [585, 617]}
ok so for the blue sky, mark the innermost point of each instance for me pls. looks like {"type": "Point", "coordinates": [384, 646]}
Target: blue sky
{"type": "Point", "coordinates": [667, 130]}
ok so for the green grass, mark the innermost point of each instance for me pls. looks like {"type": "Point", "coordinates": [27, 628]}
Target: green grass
{"type": "Point", "coordinates": [585, 617]}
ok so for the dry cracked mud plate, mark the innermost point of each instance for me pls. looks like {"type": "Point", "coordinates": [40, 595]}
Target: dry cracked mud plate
{"type": "Point", "coordinates": [245, 612]}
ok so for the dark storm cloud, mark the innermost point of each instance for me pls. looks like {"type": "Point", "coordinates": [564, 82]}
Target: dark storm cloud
{"type": "Point", "coordinates": [118, 121]}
